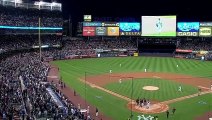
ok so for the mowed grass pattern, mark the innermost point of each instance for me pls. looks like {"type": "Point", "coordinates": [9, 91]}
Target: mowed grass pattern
{"type": "Point", "coordinates": [71, 70]}
{"type": "Point", "coordinates": [167, 89]}
{"type": "Point", "coordinates": [132, 64]}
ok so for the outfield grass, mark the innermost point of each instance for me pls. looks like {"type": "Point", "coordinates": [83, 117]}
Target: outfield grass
{"type": "Point", "coordinates": [71, 70]}
{"type": "Point", "coordinates": [167, 89]}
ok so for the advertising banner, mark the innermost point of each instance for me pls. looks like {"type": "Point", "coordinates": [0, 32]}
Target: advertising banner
{"type": "Point", "coordinates": [101, 31]}
{"type": "Point", "coordinates": [88, 31]}
{"type": "Point", "coordinates": [205, 31]}
{"type": "Point", "coordinates": [110, 24]}
{"type": "Point", "coordinates": [183, 51]}
{"type": "Point", "coordinates": [113, 31]}
{"type": "Point", "coordinates": [87, 18]}
{"type": "Point", "coordinates": [187, 28]}
{"type": "Point", "coordinates": [92, 24]}
{"type": "Point", "coordinates": [130, 29]}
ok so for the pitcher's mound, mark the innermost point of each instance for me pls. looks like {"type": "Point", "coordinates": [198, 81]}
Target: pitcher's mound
{"type": "Point", "coordinates": [151, 88]}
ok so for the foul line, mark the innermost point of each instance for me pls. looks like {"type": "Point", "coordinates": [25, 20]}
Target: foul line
{"type": "Point", "coordinates": [129, 100]}
{"type": "Point", "coordinates": [108, 91]}
{"type": "Point", "coordinates": [185, 97]}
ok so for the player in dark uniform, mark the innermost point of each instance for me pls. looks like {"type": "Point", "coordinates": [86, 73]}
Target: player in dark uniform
{"type": "Point", "coordinates": [173, 110]}
{"type": "Point", "coordinates": [167, 114]}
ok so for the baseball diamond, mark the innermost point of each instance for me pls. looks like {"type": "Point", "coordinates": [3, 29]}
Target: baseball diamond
{"type": "Point", "coordinates": [95, 79]}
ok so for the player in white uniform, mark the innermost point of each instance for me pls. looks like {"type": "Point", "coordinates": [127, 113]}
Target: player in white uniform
{"type": "Point", "coordinates": [120, 81]}
{"type": "Point", "coordinates": [159, 25]}
{"type": "Point", "coordinates": [180, 88]}
{"type": "Point", "coordinates": [110, 71]}
{"type": "Point", "coordinates": [211, 86]}
{"type": "Point", "coordinates": [145, 70]}
{"type": "Point", "coordinates": [148, 105]}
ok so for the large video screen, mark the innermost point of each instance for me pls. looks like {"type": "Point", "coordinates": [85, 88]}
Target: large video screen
{"type": "Point", "coordinates": [158, 25]}
{"type": "Point", "coordinates": [130, 29]}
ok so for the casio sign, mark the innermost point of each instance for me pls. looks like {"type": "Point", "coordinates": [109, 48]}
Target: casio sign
{"type": "Point", "coordinates": [187, 34]}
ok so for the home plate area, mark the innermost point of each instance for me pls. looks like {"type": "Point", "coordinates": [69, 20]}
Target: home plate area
{"type": "Point", "coordinates": [151, 109]}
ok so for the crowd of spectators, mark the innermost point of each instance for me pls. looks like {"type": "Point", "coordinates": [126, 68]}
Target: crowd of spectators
{"type": "Point", "coordinates": [196, 44]}
{"type": "Point", "coordinates": [23, 91]}
{"type": "Point", "coordinates": [18, 42]}
{"type": "Point", "coordinates": [10, 16]}
{"type": "Point", "coordinates": [112, 43]}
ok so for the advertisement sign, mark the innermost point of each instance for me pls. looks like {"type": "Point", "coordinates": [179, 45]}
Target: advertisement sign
{"type": "Point", "coordinates": [101, 31]}
{"type": "Point", "coordinates": [87, 18]}
{"type": "Point", "coordinates": [110, 24]}
{"type": "Point", "coordinates": [130, 29]}
{"type": "Point", "coordinates": [95, 24]}
{"type": "Point", "coordinates": [205, 31]}
{"type": "Point", "coordinates": [158, 25]}
{"type": "Point", "coordinates": [113, 31]}
{"type": "Point", "coordinates": [203, 52]}
{"type": "Point", "coordinates": [130, 33]}
{"type": "Point", "coordinates": [206, 24]}
{"type": "Point", "coordinates": [188, 28]}
{"type": "Point", "coordinates": [183, 51]}
{"type": "Point", "coordinates": [88, 31]}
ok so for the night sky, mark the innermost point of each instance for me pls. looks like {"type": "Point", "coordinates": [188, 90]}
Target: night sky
{"type": "Point", "coordinates": [186, 10]}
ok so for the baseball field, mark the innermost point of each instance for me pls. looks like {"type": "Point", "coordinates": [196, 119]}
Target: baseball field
{"type": "Point", "coordinates": [113, 85]}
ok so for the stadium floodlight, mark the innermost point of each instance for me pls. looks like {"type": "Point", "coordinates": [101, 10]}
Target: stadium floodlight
{"type": "Point", "coordinates": [56, 4]}
{"type": "Point", "coordinates": [18, 1]}
{"type": "Point", "coordinates": [41, 2]}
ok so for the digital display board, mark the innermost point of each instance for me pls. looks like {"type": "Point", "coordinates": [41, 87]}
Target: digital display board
{"type": "Point", "coordinates": [207, 24]}
{"type": "Point", "coordinates": [188, 28]}
{"type": "Point", "coordinates": [113, 31]}
{"type": "Point", "coordinates": [205, 29]}
{"type": "Point", "coordinates": [88, 31]}
{"type": "Point", "coordinates": [87, 18]}
{"type": "Point", "coordinates": [101, 31]}
{"type": "Point", "coordinates": [158, 25]}
{"type": "Point", "coordinates": [89, 24]}
{"type": "Point", "coordinates": [110, 24]}
{"type": "Point", "coordinates": [130, 29]}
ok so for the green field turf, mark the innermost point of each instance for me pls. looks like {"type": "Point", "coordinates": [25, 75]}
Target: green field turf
{"type": "Point", "coordinates": [168, 89]}
{"type": "Point", "coordinates": [71, 70]}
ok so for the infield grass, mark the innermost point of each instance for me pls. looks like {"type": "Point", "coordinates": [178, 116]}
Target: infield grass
{"type": "Point", "coordinates": [167, 89]}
